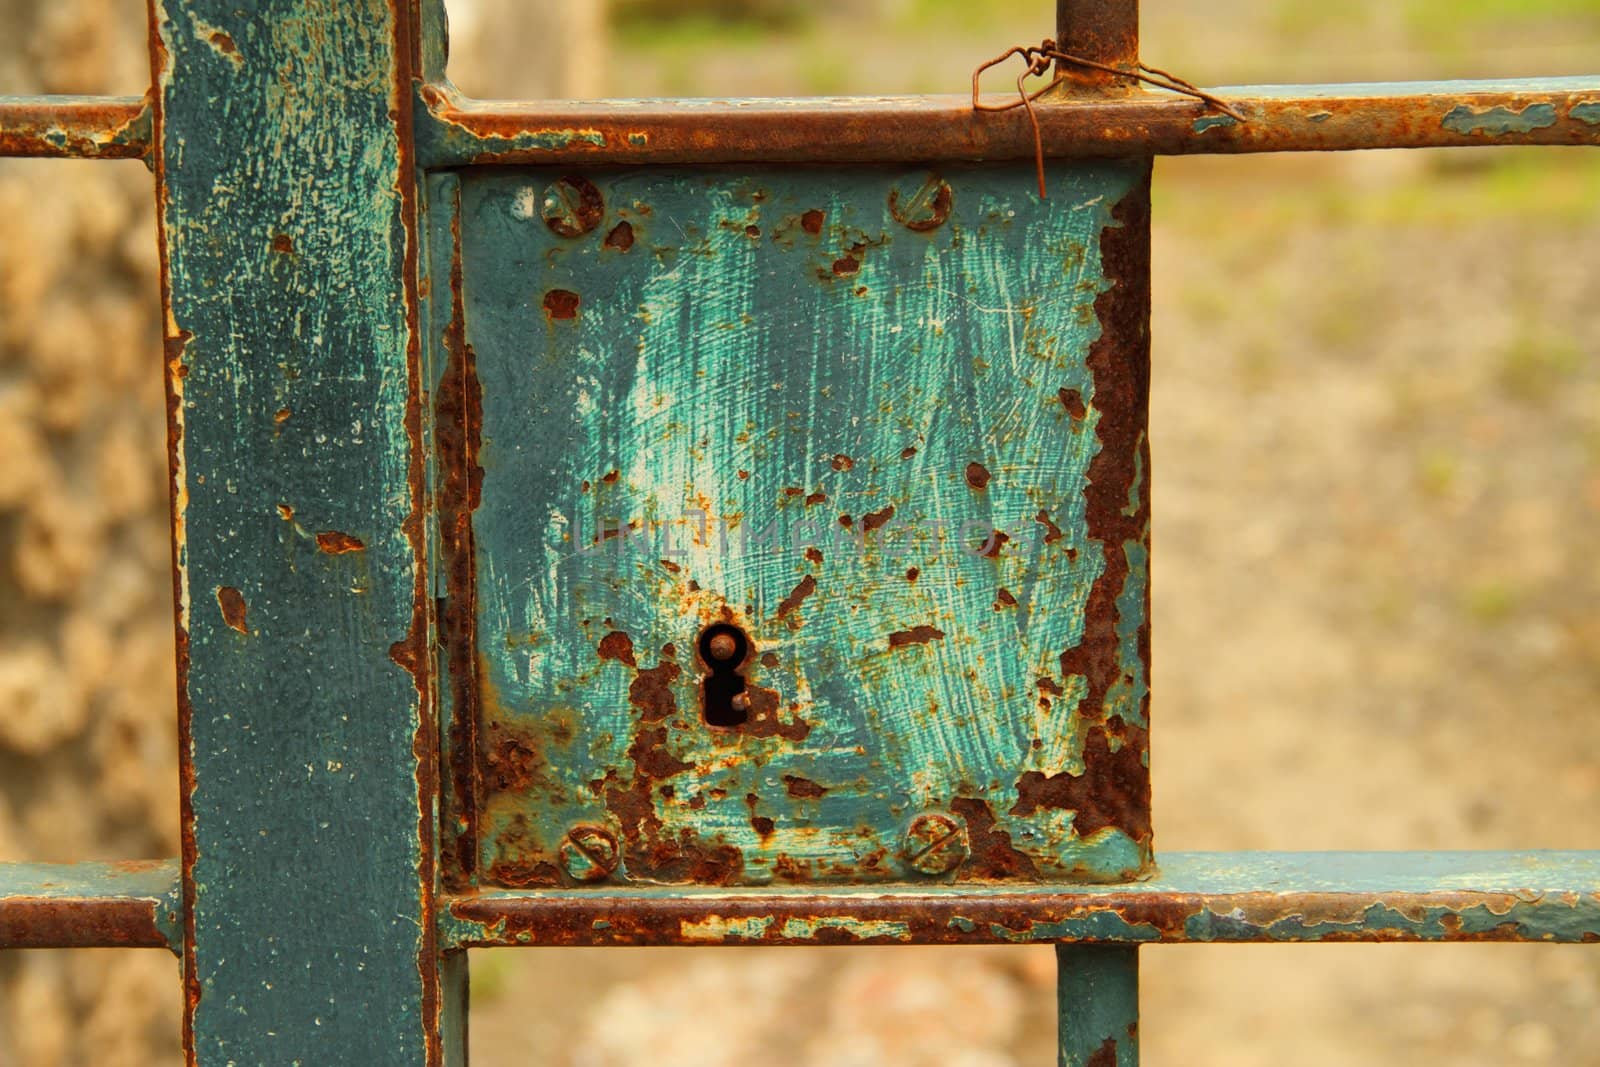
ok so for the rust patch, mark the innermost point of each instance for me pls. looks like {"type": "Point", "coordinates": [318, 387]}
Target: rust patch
{"type": "Point", "coordinates": [1114, 789]}
{"type": "Point", "coordinates": [872, 520]}
{"type": "Point", "coordinates": [912, 573]}
{"type": "Point", "coordinates": [797, 595]}
{"type": "Point", "coordinates": [761, 824]}
{"type": "Point", "coordinates": [990, 548]}
{"type": "Point", "coordinates": [337, 543]}
{"type": "Point", "coordinates": [819, 497]}
{"type": "Point", "coordinates": [283, 244]}
{"type": "Point", "coordinates": [618, 646]}
{"type": "Point", "coordinates": [978, 476]}
{"type": "Point", "coordinates": [519, 862]}
{"type": "Point", "coordinates": [651, 691]}
{"type": "Point", "coordinates": [620, 238]}
{"type": "Point", "coordinates": [88, 921]}
{"type": "Point", "coordinates": [1109, 793]}
{"type": "Point", "coordinates": [650, 852]}
{"type": "Point", "coordinates": [1105, 1055]}
{"type": "Point", "coordinates": [846, 265]}
{"type": "Point", "coordinates": [458, 417]}
{"type": "Point", "coordinates": [993, 856]}
{"type": "Point", "coordinates": [842, 462]}
{"type": "Point", "coordinates": [1072, 400]}
{"type": "Point", "coordinates": [234, 609]}
{"type": "Point", "coordinates": [908, 451]}
{"type": "Point", "coordinates": [803, 788]}
{"type": "Point", "coordinates": [650, 757]}
{"type": "Point", "coordinates": [561, 304]}
{"type": "Point", "coordinates": [917, 635]}
{"type": "Point", "coordinates": [1052, 532]}
{"type": "Point", "coordinates": [512, 760]}
{"type": "Point", "coordinates": [285, 512]}
{"type": "Point", "coordinates": [281, 416]}
{"type": "Point", "coordinates": [1005, 598]}
{"type": "Point", "coordinates": [814, 554]}
{"type": "Point", "coordinates": [764, 720]}
{"type": "Point", "coordinates": [811, 222]}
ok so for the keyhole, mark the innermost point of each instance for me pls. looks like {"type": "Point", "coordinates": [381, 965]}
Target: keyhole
{"type": "Point", "coordinates": [723, 648]}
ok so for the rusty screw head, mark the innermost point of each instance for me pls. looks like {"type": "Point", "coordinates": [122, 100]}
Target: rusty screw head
{"type": "Point", "coordinates": [572, 206]}
{"type": "Point", "coordinates": [935, 843]}
{"type": "Point", "coordinates": [590, 853]}
{"type": "Point", "coordinates": [920, 202]}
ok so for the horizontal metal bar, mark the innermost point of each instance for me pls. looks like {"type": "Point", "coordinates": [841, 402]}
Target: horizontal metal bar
{"type": "Point", "coordinates": [1199, 896]}
{"type": "Point", "coordinates": [79, 127]}
{"type": "Point", "coordinates": [453, 131]}
{"type": "Point", "coordinates": [90, 905]}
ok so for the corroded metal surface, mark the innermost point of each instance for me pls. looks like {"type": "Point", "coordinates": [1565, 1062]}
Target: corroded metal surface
{"type": "Point", "coordinates": [82, 127]}
{"type": "Point", "coordinates": [1196, 897]}
{"type": "Point", "coordinates": [288, 210]}
{"type": "Point", "coordinates": [90, 905]}
{"type": "Point", "coordinates": [452, 130]}
{"type": "Point", "coordinates": [1281, 118]}
{"type": "Point", "coordinates": [457, 457]}
{"type": "Point", "coordinates": [1102, 31]}
{"type": "Point", "coordinates": [886, 428]}
{"type": "Point", "coordinates": [1097, 1005]}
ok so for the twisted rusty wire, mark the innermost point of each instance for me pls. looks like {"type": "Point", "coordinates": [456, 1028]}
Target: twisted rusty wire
{"type": "Point", "coordinates": [1038, 59]}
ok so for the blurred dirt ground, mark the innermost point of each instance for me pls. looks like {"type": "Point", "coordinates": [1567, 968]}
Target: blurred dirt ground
{"type": "Point", "coordinates": [1376, 430]}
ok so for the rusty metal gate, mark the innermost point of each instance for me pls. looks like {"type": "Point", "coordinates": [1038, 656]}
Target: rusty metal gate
{"type": "Point", "coordinates": [701, 523]}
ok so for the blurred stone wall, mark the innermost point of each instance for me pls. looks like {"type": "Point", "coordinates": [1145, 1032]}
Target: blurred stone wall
{"type": "Point", "coordinates": [494, 54]}
{"type": "Point", "coordinates": [88, 747]}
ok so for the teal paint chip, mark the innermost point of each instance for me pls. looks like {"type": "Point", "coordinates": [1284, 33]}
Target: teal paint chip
{"type": "Point", "coordinates": [1498, 121]}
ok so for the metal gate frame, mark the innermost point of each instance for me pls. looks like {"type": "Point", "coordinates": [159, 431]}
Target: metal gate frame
{"type": "Point", "coordinates": [289, 143]}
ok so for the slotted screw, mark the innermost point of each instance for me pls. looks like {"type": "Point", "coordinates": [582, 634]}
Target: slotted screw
{"type": "Point", "coordinates": [590, 853]}
{"type": "Point", "coordinates": [935, 843]}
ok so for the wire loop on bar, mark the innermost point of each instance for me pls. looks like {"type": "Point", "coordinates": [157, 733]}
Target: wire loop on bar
{"type": "Point", "coordinates": [1038, 59]}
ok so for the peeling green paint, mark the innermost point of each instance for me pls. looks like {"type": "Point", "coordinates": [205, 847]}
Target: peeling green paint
{"type": "Point", "coordinates": [1497, 121]}
{"type": "Point", "coordinates": [1097, 1001]}
{"type": "Point", "coordinates": [285, 210]}
{"type": "Point", "coordinates": [98, 887]}
{"type": "Point", "coordinates": [1195, 897]}
{"type": "Point", "coordinates": [1092, 926]}
{"type": "Point", "coordinates": [1587, 112]}
{"type": "Point", "coordinates": [717, 928]}
{"type": "Point", "coordinates": [1214, 122]}
{"type": "Point", "coordinates": [852, 929]}
{"type": "Point", "coordinates": [439, 140]}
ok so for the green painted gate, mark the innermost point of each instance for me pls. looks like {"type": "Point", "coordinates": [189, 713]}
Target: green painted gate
{"type": "Point", "coordinates": [681, 523]}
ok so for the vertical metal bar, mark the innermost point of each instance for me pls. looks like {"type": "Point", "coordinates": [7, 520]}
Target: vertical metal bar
{"type": "Point", "coordinates": [1097, 997]}
{"type": "Point", "coordinates": [1105, 31]}
{"type": "Point", "coordinates": [287, 200]}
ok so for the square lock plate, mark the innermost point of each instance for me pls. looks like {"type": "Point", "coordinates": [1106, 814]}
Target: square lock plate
{"type": "Point", "coordinates": [793, 523]}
